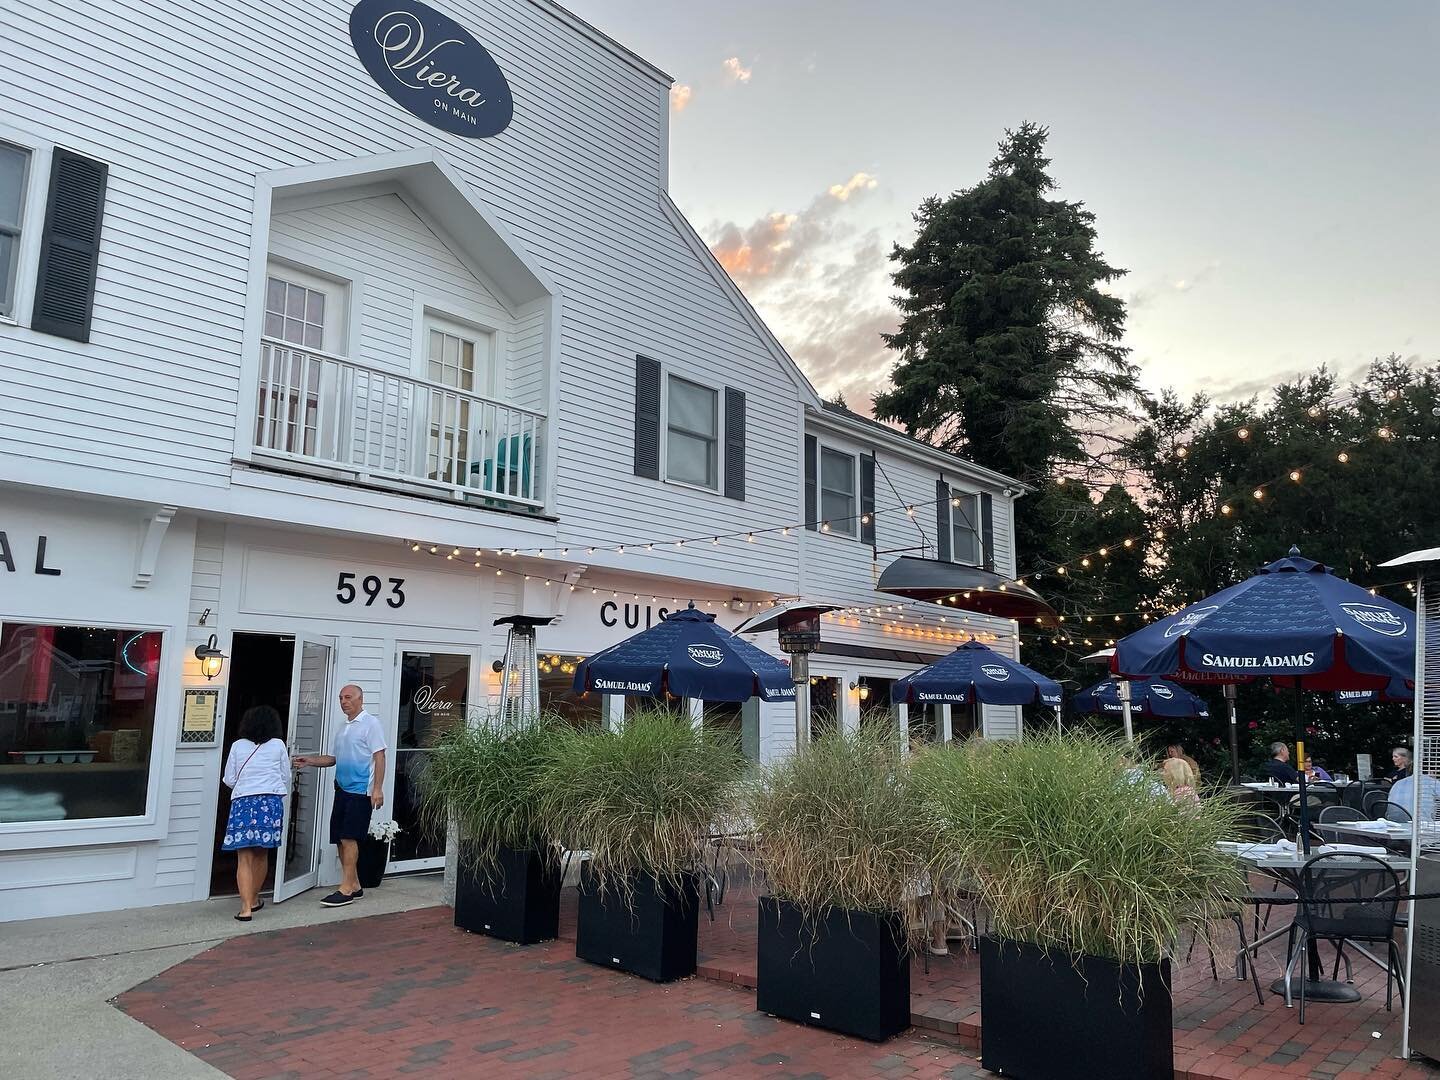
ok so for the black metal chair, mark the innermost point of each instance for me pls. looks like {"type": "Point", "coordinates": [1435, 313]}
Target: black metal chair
{"type": "Point", "coordinates": [1376, 803]}
{"type": "Point", "coordinates": [1263, 829]}
{"type": "Point", "coordinates": [1335, 815]}
{"type": "Point", "coordinates": [1346, 900]}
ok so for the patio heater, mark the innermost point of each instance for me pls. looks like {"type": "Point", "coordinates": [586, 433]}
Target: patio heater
{"type": "Point", "coordinates": [799, 637]}
{"type": "Point", "coordinates": [1420, 1030]}
{"type": "Point", "coordinates": [520, 671]}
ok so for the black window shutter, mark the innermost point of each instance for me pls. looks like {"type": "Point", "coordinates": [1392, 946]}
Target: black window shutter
{"type": "Point", "coordinates": [942, 520]}
{"type": "Point", "coordinates": [647, 417]}
{"type": "Point", "coordinates": [812, 483]}
{"type": "Point", "coordinates": [867, 499]}
{"type": "Point", "coordinates": [69, 247]}
{"type": "Point", "coordinates": [734, 443]}
{"type": "Point", "coordinates": [987, 530]}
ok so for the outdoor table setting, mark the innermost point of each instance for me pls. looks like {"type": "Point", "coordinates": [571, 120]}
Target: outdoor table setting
{"type": "Point", "coordinates": [1393, 834]}
{"type": "Point", "coordinates": [1283, 860]}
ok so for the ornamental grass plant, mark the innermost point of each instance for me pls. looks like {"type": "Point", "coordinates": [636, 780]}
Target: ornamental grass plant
{"type": "Point", "coordinates": [641, 800]}
{"type": "Point", "coordinates": [842, 825]}
{"type": "Point", "coordinates": [486, 778]}
{"type": "Point", "coordinates": [1072, 849]}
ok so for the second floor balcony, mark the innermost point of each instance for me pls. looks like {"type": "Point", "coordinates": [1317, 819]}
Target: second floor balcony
{"type": "Point", "coordinates": [337, 418]}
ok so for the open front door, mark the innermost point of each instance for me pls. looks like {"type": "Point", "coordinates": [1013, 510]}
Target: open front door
{"type": "Point", "coordinates": [298, 860]}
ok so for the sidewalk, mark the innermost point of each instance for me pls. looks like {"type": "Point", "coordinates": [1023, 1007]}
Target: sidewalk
{"type": "Point", "coordinates": [59, 976]}
{"type": "Point", "coordinates": [409, 995]}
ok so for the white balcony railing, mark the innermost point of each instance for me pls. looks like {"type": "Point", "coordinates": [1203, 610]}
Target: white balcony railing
{"type": "Point", "coordinates": [331, 412]}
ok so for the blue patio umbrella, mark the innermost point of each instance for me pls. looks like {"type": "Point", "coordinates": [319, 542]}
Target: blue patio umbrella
{"type": "Point", "coordinates": [973, 674]}
{"type": "Point", "coordinates": [687, 655]}
{"type": "Point", "coordinates": [1399, 690]}
{"type": "Point", "coordinates": [1295, 622]}
{"type": "Point", "coordinates": [1152, 698]}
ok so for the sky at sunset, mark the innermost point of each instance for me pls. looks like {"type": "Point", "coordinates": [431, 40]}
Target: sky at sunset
{"type": "Point", "coordinates": [1267, 173]}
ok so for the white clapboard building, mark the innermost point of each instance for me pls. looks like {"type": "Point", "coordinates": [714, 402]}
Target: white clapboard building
{"type": "Point", "coordinates": [331, 334]}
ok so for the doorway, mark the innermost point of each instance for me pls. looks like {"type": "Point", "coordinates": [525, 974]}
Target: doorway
{"type": "Point", "coordinates": [261, 671]}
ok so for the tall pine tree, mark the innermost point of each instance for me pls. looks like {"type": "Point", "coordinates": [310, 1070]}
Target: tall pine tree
{"type": "Point", "coordinates": [1009, 353]}
{"type": "Point", "coordinates": [1009, 349]}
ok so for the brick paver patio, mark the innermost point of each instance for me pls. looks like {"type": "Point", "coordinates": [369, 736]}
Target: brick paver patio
{"type": "Point", "coordinates": [402, 995]}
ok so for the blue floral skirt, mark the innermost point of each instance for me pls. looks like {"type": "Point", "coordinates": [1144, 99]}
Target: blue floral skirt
{"type": "Point", "coordinates": [255, 821]}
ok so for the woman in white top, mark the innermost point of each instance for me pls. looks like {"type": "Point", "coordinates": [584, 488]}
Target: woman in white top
{"type": "Point", "coordinates": [258, 775]}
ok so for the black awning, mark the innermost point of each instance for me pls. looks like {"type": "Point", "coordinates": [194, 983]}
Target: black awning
{"type": "Point", "coordinates": [965, 588]}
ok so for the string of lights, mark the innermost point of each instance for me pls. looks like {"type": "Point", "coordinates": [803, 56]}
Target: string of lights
{"type": "Point", "coordinates": [894, 614]}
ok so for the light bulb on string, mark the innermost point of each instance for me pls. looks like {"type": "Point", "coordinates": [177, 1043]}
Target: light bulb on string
{"type": "Point", "coordinates": [1295, 475]}
{"type": "Point", "coordinates": [1342, 457]}
{"type": "Point", "coordinates": [1243, 433]}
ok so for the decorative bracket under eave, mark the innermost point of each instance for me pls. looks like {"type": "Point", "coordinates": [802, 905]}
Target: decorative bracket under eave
{"type": "Point", "coordinates": [563, 592]}
{"type": "Point", "coordinates": [150, 542]}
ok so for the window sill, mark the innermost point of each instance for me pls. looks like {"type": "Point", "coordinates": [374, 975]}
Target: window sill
{"type": "Point", "coordinates": [686, 485]}
{"type": "Point", "coordinates": [79, 832]}
{"type": "Point", "coordinates": [6, 320]}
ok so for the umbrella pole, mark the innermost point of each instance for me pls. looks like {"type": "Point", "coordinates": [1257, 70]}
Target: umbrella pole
{"type": "Point", "coordinates": [975, 726]}
{"type": "Point", "coordinates": [1059, 724]}
{"type": "Point", "coordinates": [1125, 709]}
{"type": "Point", "coordinates": [1300, 763]}
{"type": "Point", "coordinates": [1229, 692]}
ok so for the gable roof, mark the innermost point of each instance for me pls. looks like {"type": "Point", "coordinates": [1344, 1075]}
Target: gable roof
{"type": "Point", "coordinates": [711, 264]}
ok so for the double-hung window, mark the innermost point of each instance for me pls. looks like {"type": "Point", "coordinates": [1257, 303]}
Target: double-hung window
{"type": "Point", "coordinates": [837, 491]}
{"type": "Point", "coordinates": [965, 544]}
{"type": "Point", "coordinates": [14, 169]}
{"type": "Point", "coordinates": [692, 447]}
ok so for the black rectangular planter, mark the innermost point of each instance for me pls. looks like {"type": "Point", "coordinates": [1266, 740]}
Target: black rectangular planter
{"type": "Point", "coordinates": [1055, 1015]}
{"type": "Point", "coordinates": [515, 899]}
{"type": "Point", "coordinates": [647, 930]}
{"type": "Point", "coordinates": [848, 972]}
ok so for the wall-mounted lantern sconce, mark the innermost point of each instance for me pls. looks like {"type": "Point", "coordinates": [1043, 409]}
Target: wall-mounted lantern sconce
{"type": "Point", "coordinates": [497, 666]}
{"type": "Point", "coordinates": [212, 660]}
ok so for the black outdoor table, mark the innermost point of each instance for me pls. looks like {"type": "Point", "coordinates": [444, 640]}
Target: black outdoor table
{"type": "Point", "coordinates": [1287, 867]}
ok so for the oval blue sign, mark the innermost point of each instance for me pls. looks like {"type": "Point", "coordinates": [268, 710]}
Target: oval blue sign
{"type": "Point", "coordinates": [432, 67]}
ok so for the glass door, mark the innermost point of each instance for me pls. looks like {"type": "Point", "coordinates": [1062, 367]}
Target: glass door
{"type": "Point", "coordinates": [297, 863]}
{"type": "Point", "coordinates": [434, 697]}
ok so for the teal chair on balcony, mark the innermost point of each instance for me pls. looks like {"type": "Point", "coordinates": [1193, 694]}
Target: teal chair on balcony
{"type": "Point", "coordinates": [508, 470]}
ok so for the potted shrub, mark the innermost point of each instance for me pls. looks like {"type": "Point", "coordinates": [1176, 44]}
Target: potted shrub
{"type": "Point", "coordinates": [842, 845]}
{"type": "Point", "coordinates": [640, 801]}
{"type": "Point", "coordinates": [1089, 875]}
{"type": "Point", "coordinates": [374, 853]}
{"type": "Point", "coordinates": [484, 779]}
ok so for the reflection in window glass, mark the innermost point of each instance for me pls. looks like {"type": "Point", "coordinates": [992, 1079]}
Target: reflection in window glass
{"type": "Point", "coordinates": [965, 529]}
{"type": "Point", "coordinates": [77, 718]}
{"type": "Point", "coordinates": [692, 444]}
{"type": "Point", "coordinates": [837, 491]}
{"type": "Point", "coordinates": [739, 720]}
{"type": "Point", "coordinates": [434, 697]}
{"type": "Point", "coordinates": [824, 706]}
{"type": "Point", "coordinates": [558, 696]}
{"type": "Point", "coordinates": [14, 163]}
{"type": "Point", "coordinates": [678, 707]}
{"type": "Point", "coordinates": [876, 713]}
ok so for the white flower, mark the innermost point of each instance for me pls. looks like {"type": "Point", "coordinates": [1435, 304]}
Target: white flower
{"type": "Point", "coordinates": [385, 830]}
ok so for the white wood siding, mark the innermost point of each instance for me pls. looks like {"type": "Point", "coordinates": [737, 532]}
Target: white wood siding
{"type": "Point", "coordinates": [191, 116]}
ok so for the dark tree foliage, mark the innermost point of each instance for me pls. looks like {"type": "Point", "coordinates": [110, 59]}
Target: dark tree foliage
{"type": "Point", "coordinates": [1352, 515]}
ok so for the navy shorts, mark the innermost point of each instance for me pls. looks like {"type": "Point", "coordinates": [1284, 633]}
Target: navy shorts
{"type": "Point", "coordinates": [349, 816]}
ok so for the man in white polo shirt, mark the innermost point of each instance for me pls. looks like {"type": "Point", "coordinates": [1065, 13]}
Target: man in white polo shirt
{"type": "Point", "coordinates": [359, 761]}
